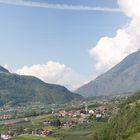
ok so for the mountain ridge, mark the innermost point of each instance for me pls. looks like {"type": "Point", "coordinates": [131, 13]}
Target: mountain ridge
{"type": "Point", "coordinates": [2, 69]}
{"type": "Point", "coordinates": [17, 89]}
{"type": "Point", "coordinates": [122, 78]}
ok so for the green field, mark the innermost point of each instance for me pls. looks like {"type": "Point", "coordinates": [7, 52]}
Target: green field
{"type": "Point", "coordinates": [77, 138]}
{"type": "Point", "coordinates": [77, 135]}
{"type": "Point", "coordinates": [31, 137]}
{"type": "Point", "coordinates": [135, 137]}
{"type": "Point", "coordinates": [40, 119]}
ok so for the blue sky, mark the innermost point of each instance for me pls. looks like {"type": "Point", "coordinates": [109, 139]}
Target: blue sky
{"type": "Point", "coordinates": [30, 35]}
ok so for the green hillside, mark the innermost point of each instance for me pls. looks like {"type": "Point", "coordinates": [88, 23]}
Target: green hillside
{"type": "Point", "coordinates": [126, 124]}
{"type": "Point", "coordinates": [16, 89]}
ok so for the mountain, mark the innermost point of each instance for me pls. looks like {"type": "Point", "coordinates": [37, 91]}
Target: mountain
{"type": "Point", "coordinates": [123, 78]}
{"type": "Point", "coordinates": [16, 89]}
{"type": "Point", "coordinates": [3, 70]}
{"type": "Point", "coordinates": [125, 125]}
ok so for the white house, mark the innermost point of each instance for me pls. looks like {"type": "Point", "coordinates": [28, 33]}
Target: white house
{"type": "Point", "coordinates": [91, 112]}
{"type": "Point", "coordinates": [98, 115]}
{"type": "Point", "coordinates": [5, 137]}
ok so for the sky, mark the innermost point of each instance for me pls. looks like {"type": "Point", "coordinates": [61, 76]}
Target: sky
{"type": "Point", "coordinates": [67, 42]}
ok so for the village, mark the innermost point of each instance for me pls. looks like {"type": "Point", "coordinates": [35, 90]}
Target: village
{"type": "Point", "coordinates": [85, 113]}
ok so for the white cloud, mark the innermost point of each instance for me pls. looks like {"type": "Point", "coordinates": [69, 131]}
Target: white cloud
{"type": "Point", "coordinates": [57, 6]}
{"type": "Point", "coordinates": [54, 72]}
{"type": "Point", "coordinates": [110, 51]}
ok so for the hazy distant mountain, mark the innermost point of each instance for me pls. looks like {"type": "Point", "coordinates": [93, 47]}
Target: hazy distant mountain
{"type": "Point", "coordinates": [2, 69]}
{"type": "Point", "coordinates": [16, 89]}
{"type": "Point", "coordinates": [123, 78]}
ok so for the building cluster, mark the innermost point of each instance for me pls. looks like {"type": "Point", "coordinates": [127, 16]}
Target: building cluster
{"type": "Point", "coordinates": [75, 117]}
{"type": "Point", "coordinates": [98, 112]}
{"type": "Point", "coordinates": [6, 136]}
{"type": "Point", "coordinates": [42, 133]}
{"type": "Point", "coordinates": [5, 116]}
